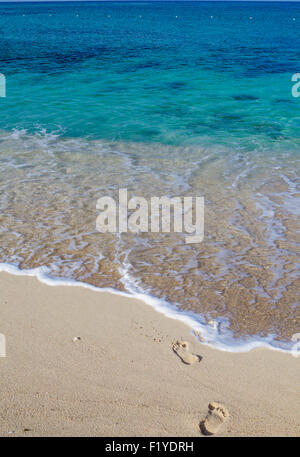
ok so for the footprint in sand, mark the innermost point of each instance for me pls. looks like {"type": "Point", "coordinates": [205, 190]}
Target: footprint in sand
{"type": "Point", "coordinates": [216, 416]}
{"type": "Point", "coordinates": [181, 348]}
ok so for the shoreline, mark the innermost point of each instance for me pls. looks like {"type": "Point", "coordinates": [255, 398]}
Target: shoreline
{"type": "Point", "coordinates": [245, 276]}
{"type": "Point", "coordinates": [122, 378]}
{"type": "Point", "coordinates": [206, 333]}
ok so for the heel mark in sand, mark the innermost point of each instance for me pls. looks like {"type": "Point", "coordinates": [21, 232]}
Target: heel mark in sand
{"type": "Point", "coordinates": [216, 416]}
{"type": "Point", "coordinates": [181, 348]}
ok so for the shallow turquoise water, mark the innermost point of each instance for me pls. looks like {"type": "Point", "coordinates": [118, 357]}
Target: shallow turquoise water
{"type": "Point", "coordinates": [156, 72]}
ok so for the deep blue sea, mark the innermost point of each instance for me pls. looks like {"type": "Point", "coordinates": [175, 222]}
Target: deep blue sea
{"type": "Point", "coordinates": [171, 72]}
{"type": "Point", "coordinates": [162, 98]}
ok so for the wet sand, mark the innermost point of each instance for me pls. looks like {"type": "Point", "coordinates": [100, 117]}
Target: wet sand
{"type": "Point", "coordinates": [85, 363]}
{"type": "Point", "coordinates": [245, 273]}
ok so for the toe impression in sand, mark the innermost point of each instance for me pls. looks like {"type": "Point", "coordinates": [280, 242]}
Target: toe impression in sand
{"type": "Point", "coordinates": [181, 348]}
{"type": "Point", "coordinates": [216, 416]}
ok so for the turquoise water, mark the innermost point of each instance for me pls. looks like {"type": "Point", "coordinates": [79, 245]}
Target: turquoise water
{"type": "Point", "coordinates": [159, 72]}
{"type": "Point", "coordinates": [162, 99]}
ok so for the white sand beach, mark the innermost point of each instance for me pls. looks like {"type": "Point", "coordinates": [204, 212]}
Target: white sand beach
{"type": "Point", "coordinates": [85, 363]}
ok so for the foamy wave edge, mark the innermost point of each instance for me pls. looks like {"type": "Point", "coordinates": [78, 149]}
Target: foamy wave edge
{"type": "Point", "coordinates": [209, 333]}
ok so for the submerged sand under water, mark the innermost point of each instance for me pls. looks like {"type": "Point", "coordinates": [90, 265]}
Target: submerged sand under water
{"type": "Point", "coordinates": [247, 268]}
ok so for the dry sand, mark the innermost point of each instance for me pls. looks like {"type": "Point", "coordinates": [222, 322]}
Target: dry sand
{"type": "Point", "coordinates": [125, 375]}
